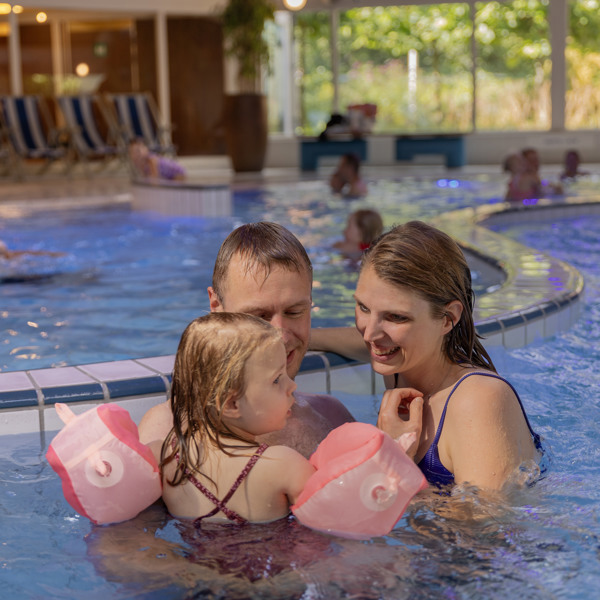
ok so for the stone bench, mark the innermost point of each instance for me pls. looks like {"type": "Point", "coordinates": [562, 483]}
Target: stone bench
{"type": "Point", "coordinates": [312, 149]}
{"type": "Point", "coordinates": [452, 146]}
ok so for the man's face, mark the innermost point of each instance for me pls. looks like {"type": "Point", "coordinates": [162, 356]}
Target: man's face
{"type": "Point", "coordinates": [283, 299]}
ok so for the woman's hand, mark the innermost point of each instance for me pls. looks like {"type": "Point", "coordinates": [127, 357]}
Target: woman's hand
{"type": "Point", "coordinates": [401, 412]}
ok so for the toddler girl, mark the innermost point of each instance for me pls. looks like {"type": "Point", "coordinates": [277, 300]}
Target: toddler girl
{"type": "Point", "coordinates": [230, 385]}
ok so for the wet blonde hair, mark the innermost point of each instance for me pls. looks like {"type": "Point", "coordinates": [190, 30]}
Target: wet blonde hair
{"type": "Point", "coordinates": [209, 370]}
{"type": "Point", "coordinates": [423, 259]}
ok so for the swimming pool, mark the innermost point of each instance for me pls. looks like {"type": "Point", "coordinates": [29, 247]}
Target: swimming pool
{"type": "Point", "coordinates": [544, 544]}
{"type": "Point", "coordinates": [131, 281]}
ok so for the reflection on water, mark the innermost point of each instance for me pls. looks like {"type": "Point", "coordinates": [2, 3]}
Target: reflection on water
{"type": "Point", "coordinates": [444, 547]}
{"type": "Point", "coordinates": [150, 272]}
{"type": "Point", "coordinates": [541, 542]}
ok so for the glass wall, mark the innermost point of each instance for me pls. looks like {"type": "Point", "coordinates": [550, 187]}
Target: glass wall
{"type": "Point", "coordinates": [583, 65]}
{"type": "Point", "coordinates": [413, 62]}
{"type": "Point", "coordinates": [314, 72]}
{"type": "Point", "coordinates": [425, 66]}
{"type": "Point", "coordinates": [513, 65]}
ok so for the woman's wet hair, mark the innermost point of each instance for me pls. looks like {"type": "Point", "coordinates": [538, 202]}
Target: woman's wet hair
{"type": "Point", "coordinates": [264, 245]}
{"type": "Point", "coordinates": [425, 260]}
{"type": "Point", "coordinates": [210, 369]}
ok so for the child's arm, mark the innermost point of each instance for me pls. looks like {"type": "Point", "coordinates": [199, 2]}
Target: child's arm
{"type": "Point", "coordinates": [292, 472]}
{"type": "Point", "coordinates": [156, 447]}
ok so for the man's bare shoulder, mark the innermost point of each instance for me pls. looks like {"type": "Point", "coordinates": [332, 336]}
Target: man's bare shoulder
{"type": "Point", "coordinates": [313, 417]}
{"type": "Point", "coordinates": [328, 407]}
{"type": "Point", "coordinates": [156, 423]}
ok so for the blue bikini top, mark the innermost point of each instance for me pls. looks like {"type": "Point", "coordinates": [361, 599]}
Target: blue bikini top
{"type": "Point", "coordinates": [431, 465]}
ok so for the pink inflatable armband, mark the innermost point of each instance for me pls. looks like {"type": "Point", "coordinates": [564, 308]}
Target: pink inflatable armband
{"type": "Point", "coordinates": [107, 474]}
{"type": "Point", "coordinates": [363, 483]}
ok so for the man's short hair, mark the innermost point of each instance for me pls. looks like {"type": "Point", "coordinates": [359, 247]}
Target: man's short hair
{"type": "Point", "coordinates": [263, 244]}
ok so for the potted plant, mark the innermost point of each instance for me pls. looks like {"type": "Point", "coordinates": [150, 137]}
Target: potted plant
{"type": "Point", "coordinates": [246, 123]}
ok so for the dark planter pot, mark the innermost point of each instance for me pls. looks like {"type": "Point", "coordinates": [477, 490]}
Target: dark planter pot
{"type": "Point", "coordinates": [246, 131]}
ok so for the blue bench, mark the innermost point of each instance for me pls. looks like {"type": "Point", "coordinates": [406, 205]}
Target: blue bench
{"type": "Point", "coordinates": [450, 145]}
{"type": "Point", "coordinates": [311, 150]}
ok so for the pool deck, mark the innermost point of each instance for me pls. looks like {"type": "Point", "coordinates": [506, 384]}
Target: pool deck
{"type": "Point", "coordinates": [540, 297]}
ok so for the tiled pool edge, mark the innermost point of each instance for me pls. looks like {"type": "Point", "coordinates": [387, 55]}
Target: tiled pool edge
{"type": "Point", "coordinates": [541, 295]}
{"type": "Point", "coordinates": [539, 307]}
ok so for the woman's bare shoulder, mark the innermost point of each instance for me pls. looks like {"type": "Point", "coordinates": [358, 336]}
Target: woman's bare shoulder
{"type": "Point", "coordinates": [482, 393]}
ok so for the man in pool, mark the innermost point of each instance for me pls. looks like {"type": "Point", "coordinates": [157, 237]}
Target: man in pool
{"type": "Point", "coordinates": [263, 269]}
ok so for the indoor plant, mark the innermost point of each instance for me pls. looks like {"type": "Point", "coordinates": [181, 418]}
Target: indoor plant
{"type": "Point", "coordinates": [246, 121]}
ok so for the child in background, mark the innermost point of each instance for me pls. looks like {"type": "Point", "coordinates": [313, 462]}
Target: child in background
{"type": "Point", "coordinates": [346, 178]}
{"type": "Point", "coordinates": [531, 161]}
{"type": "Point", "coordinates": [230, 385]}
{"type": "Point", "coordinates": [148, 165]}
{"type": "Point", "coordinates": [363, 226]}
{"type": "Point", "coordinates": [572, 162]}
{"type": "Point", "coordinates": [524, 182]}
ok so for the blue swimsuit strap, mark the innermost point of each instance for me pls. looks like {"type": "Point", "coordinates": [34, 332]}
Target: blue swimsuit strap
{"type": "Point", "coordinates": [536, 437]}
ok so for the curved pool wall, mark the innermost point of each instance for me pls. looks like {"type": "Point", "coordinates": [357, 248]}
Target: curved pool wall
{"type": "Point", "coordinates": [540, 296]}
{"type": "Point", "coordinates": [182, 199]}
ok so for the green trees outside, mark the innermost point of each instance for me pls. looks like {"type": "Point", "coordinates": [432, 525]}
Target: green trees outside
{"type": "Point", "coordinates": [583, 65]}
{"type": "Point", "coordinates": [433, 90]}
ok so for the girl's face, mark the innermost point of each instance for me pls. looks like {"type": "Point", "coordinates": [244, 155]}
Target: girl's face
{"type": "Point", "coordinates": [397, 326]}
{"type": "Point", "coordinates": [352, 233]}
{"type": "Point", "coordinates": [266, 403]}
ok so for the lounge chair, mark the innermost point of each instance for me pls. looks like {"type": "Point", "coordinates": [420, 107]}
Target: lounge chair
{"type": "Point", "coordinates": [81, 115]}
{"type": "Point", "coordinates": [137, 118]}
{"type": "Point", "coordinates": [32, 131]}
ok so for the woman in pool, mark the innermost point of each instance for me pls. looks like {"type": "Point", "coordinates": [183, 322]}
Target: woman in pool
{"type": "Point", "coordinates": [414, 310]}
{"type": "Point", "coordinates": [230, 385]}
{"type": "Point", "coordinates": [362, 227]}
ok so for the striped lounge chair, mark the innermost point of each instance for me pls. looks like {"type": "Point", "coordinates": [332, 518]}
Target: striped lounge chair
{"type": "Point", "coordinates": [90, 138]}
{"type": "Point", "coordinates": [32, 131]}
{"type": "Point", "coordinates": [137, 118]}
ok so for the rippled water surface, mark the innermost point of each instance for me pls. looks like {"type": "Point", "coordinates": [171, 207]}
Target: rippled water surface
{"type": "Point", "coordinates": [541, 543]}
{"type": "Point", "coordinates": [130, 282]}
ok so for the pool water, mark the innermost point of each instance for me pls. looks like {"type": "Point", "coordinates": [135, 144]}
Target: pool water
{"type": "Point", "coordinates": [543, 542]}
{"type": "Point", "coordinates": [130, 282]}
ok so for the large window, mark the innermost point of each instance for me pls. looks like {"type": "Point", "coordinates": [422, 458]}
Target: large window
{"type": "Point", "coordinates": [413, 62]}
{"type": "Point", "coordinates": [314, 76]}
{"type": "Point", "coordinates": [513, 65]}
{"type": "Point", "coordinates": [416, 63]}
{"type": "Point", "coordinates": [583, 65]}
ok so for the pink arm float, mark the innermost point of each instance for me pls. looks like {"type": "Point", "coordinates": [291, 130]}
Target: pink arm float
{"type": "Point", "coordinates": [107, 474]}
{"type": "Point", "coordinates": [363, 483]}
{"type": "Point", "coordinates": [361, 487]}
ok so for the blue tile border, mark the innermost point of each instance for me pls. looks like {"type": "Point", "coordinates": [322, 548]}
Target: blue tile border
{"type": "Point", "coordinates": [136, 387]}
{"type": "Point", "coordinates": [73, 393]}
{"type": "Point", "coordinates": [466, 226]}
{"type": "Point", "coordinates": [18, 399]}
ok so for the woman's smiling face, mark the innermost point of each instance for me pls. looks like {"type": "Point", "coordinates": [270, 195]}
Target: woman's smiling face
{"type": "Point", "coordinates": [397, 326]}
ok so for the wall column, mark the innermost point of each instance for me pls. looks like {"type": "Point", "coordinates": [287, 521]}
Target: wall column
{"type": "Point", "coordinates": [14, 56]}
{"type": "Point", "coordinates": [58, 67]}
{"type": "Point", "coordinates": [162, 67]}
{"type": "Point", "coordinates": [334, 23]}
{"type": "Point", "coordinates": [558, 18]}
